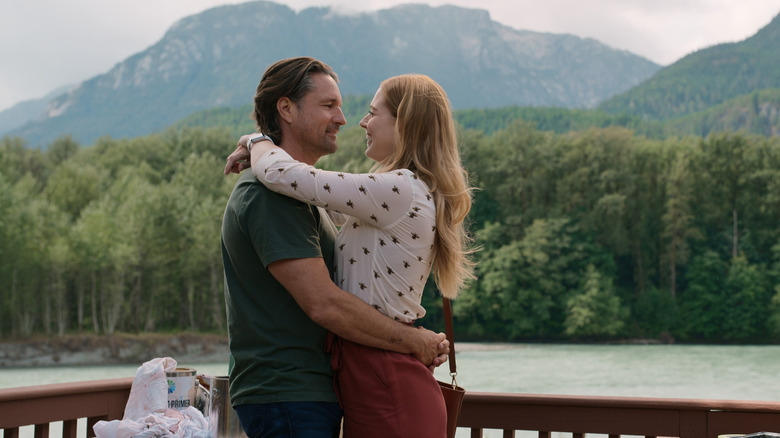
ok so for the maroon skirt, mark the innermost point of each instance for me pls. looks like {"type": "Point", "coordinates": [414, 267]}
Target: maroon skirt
{"type": "Point", "coordinates": [385, 394]}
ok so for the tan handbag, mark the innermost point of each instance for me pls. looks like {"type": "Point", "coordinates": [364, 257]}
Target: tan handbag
{"type": "Point", "coordinates": [453, 394]}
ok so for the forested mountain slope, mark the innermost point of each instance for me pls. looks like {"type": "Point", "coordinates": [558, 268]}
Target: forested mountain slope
{"type": "Point", "coordinates": [706, 78]}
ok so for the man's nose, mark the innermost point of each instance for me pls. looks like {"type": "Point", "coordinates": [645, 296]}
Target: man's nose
{"type": "Point", "coordinates": [340, 119]}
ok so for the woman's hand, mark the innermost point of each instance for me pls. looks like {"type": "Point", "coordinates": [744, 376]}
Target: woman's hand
{"type": "Point", "coordinates": [239, 159]}
{"type": "Point", "coordinates": [431, 348]}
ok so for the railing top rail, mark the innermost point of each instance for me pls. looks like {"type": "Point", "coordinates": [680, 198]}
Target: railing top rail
{"type": "Point", "coordinates": [64, 389]}
{"type": "Point", "coordinates": [95, 399]}
{"type": "Point", "coordinates": [70, 388]}
{"type": "Point", "coordinates": [623, 402]}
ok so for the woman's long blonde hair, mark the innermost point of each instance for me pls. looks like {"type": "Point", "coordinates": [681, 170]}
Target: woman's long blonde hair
{"type": "Point", "coordinates": [426, 143]}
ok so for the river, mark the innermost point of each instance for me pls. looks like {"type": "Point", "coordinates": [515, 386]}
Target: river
{"type": "Point", "coordinates": [676, 371]}
{"type": "Point", "coordinates": [687, 371]}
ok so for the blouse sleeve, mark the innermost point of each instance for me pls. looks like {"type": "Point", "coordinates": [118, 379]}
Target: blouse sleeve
{"type": "Point", "coordinates": [377, 198]}
{"type": "Point", "coordinates": [337, 218]}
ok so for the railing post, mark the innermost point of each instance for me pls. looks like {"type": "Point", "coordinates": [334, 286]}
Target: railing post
{"type": "Point", "coordinates": [42, 430]}
{"type": "Point", "coordinates": [93, 420]}
{"type": "Point", "coordinates": [70, 429]}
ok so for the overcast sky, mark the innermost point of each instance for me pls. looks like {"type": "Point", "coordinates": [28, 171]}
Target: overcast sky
{"type": "Point", "coordinates": [46, 44]}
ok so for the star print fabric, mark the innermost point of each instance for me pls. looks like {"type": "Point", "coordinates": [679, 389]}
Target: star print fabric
{"type": "Point", "coordinates": [387, 220]}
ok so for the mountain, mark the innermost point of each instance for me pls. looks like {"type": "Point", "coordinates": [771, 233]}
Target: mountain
{"type": "Point", "coordinates": [23, 112]}
{"type": "Point", "coordinates": [706, 78]}
{"type": "Point", "coordinates": [757, 113]}
{"type": "Point", "coordinates": [216, 59]}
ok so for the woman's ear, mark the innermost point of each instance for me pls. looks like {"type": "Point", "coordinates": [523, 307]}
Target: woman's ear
{"type": "Point", "coordinates": [286, 109]}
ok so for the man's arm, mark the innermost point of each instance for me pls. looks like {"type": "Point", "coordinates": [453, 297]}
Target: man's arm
{"type": "Point", "coordinates": [346, 315]}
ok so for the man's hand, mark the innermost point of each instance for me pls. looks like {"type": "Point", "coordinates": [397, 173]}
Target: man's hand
{"type": "Point", "coordinates": [239, 159]}
{"type": "Point", "coordinates": [441, 359]}
{"type": "Point", "coordinates": [432, 348]}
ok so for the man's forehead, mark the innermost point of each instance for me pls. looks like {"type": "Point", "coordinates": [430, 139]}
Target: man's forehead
{"type": "Point", "coordinates": [325, 87]}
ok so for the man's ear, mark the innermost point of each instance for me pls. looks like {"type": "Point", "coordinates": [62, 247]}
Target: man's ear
{"type": "Point", "coordinates": [286, 109]}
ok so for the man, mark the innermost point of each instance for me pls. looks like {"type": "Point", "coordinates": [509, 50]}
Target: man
{"type": "Point", "coordinates": [278, 257]}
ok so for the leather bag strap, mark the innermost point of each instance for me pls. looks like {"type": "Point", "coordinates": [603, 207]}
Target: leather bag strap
{"type": "Point", "coordinates": [448, 325]}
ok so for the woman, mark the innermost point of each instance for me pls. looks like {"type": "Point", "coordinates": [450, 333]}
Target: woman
{"type": "Point", "coordinates": [398, 223]}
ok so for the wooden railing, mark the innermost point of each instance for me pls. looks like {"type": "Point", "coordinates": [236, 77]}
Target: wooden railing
{"type": "Point", "coordinates": [67, 402]}
{"type": "Point", "coordinates": [545, 414]}
{"type": "Point", "coordinates": [615, 416]}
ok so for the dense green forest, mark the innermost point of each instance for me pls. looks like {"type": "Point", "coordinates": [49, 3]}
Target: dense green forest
{"type": "Point", "coordinates": [594, 234]}
{"type": "Point", "coordinates": [488, 120]}
{"type": "Point", "coordinates": [757, 113]}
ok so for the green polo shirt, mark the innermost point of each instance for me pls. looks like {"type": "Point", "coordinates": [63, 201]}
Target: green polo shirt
{"type": "Point", "coordinates": [277, 351]}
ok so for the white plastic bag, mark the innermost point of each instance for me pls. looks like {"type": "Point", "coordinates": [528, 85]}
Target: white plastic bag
{"type": "Point", "coordinates": [147, 413]}
{"type": "Point", "coordinates": [149, 392]}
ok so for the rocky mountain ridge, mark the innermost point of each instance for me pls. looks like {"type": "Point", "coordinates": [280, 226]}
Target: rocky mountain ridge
{"type": "Point", "coordinates": [216, 58]}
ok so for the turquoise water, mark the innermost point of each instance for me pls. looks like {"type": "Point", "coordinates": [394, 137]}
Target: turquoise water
{"type": "Point", "coordinates": [677, 371]}
{"type": "Point", "coordinates": [45, 375]}
{"type": "Point", "coordinates": [720, 372]}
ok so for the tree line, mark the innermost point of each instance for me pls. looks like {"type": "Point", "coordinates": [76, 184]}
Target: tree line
{"type": "Point", "coordinates": [595, 234]}
{"type": "Point", "coordinates": [119, 236]}
{"type": "Point", "coordinates": [602, 233]}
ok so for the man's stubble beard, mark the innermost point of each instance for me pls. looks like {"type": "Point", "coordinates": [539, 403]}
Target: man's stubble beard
{"type": "Point", "coordinates": [322, 147]}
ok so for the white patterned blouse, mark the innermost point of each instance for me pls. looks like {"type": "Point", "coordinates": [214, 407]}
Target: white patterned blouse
{"type": "Point", "coordinates": [387, 228]}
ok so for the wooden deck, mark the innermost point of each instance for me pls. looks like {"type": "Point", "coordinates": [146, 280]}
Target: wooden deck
{"type": "Point", "coordinates": [575, 416]}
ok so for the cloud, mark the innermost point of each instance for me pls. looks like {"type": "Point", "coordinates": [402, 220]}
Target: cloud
{"type": "Point", "coordinates": [660, 30]}
{"type": "Point", "coordinates": [50, 43]}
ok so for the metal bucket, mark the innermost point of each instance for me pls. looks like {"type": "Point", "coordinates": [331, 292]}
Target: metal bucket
{"type": "Point", "coordinates": [182, 386]}
{"type": "Point", "coordinates": [223, 419]}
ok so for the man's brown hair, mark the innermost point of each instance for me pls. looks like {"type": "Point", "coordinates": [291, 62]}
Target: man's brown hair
{"type": "Point", "coordinates": [289, 78]}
